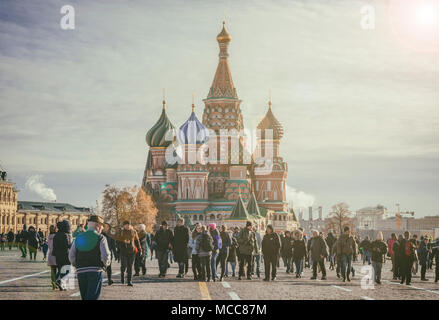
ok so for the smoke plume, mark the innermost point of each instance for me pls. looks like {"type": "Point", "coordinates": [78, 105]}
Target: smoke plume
{"type": "Point", "coordinates": [35, 185]}
{"type": "Point", "coordinates": [299, 198]}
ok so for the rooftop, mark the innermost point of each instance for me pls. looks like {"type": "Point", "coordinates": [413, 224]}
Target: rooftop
{"type": "Point", "coordinates": [54, 207]}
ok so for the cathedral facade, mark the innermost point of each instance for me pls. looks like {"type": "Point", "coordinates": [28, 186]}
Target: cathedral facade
{"type": "Point", "coordinates": [204, 172]}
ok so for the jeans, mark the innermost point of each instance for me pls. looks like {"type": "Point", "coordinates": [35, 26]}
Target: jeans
{"type": "Point", "coordinates": [377, 267]}
{"type": "Point", "coordinates": [162, 257]}
{"type": "Point", "coordinates": [196, 268]}
{"type": "Point", "coordinates": [346, 265]}
{"type": "Point", "coordinates": [205, 268]}
{"type": "Point", "coordinates": [366, 256]}
{"type": "Point", "coordinates": [321, 263]}
{"type": "Point", "coordinates": [270, 261]}
{"type": "Point", "coordinates": [222, 258]}
{"type": "Point", "coordinates": [257, 263]}
{"type": "Point", "coordinates": [90, 285]}
{"type": "Point", "coordinates": [126, 263]}
{"type": "Point", "coordinates": [213, 263]}
{"type": "Point", "coordinates": [233, 265]}
{"type": "Point", "coordinates": [299, 266]}
{"type": "Point", "coordinates": [243, 260]}
{"type": "Point", "coordinates": [287, 262]}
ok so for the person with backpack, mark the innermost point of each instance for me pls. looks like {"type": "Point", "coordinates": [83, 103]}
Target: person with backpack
{"type": "Point", "coordinates": [33, 242]}
{"type": "Point", "coordinates": [226, 241]}
{"type": "Point", "coordinates": [163, 241]}
{"type": "Point", "coordinates": [90, 255]}
{"type": "Point", "coordinates": [271, 245]}
{"type": "Point", "coordinates": [217, 245]}
{"type": "Point", "coordinates": [204, 246]}
{"type": "Point", "coordinates": [299, 252]}
{"type": "Point", "coordinates": [408, 255]}
{"type": "Point", "coordinates": [346, 248]}
{"type": "Point", "coordinates": [247, 244]}
{"type": "Point", "coordinates": [180, 244]}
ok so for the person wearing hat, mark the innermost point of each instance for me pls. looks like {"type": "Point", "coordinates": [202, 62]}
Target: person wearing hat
{"type": "Point", "coordinates": [90, 255]}
{"type": "Point", "coordinates": [163, 240]}
{"type": "Point", "coordinates": [247, 244]}
{"type": "Point", "coordinates": [129, 246]}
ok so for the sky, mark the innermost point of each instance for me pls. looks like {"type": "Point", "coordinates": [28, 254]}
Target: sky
{"type": "Point", "coordinates": [359, 106]}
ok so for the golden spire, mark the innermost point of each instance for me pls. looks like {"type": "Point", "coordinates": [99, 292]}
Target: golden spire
{"type": "Point", "coordinates": [164, 101]}
{"type": "Point", "coordinates": [193, 102]}
{"type": "Point", "coordinates": [223, 36]}
{"type": "Point", "coordinates": [269, 98]}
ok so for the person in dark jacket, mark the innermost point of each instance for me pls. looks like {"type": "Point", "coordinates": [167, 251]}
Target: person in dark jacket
{"type": "Point", "coordinates": [435, 256]}
{"type": "Point", "coordinates": [162, 241]}
{"type": "Point", "coordinates": [233, 255]}
{"type": "Point", "coordinates": [330, 240]}
{"type": "Point", "coordinates": [203, 247]}
{"type": "Point", "coordinates": [179, 247]}
{"type": "Point", "coordinates": [378, 251]}
{"type": "Point", "coordinates": [347, 249]}
{"type": "Point", "coordinates": [10, 237]}
{"type": "Point", "coordinates": [408, 255]}
{"type": "Point", "coordinates": [247, 244]}
{"type": "Point", "coordinates": [318, 251]}
{"type": "Point", "coordinates": [299, 252]}
{"type": "Point", "coordinates": [196, 266]}
{"type": "Point", "coordinates": [270, 249]}
{"type": "Point", "coordinates": [397, 258]}
{"type": "Point", "coordinates": [224, 251]}
{"type": "Point", "coordinates": [61, 245]}
{"type": "Point", "coordinates": [424, 253]}
{"type": "Point", "coordinates": [113, 253]}
{"type": "Point", "coordinates": [217, 245]}
{"type": "Point", "coordinates": [90, 255]}
{"type": "Point", "coordinates": [22, 241]}
{"type": "Point", "coordinates": [287, 251]}
{"type": "Point", "coordinates": [129, 246]}
{"type": "Point", "coordinates": [33, 242]}
{"type": "Point", "coordinates": [365, 247]}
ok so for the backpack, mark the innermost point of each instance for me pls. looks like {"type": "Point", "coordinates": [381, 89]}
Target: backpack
{"type": "Point", "coordinates": [218, 242]}
{"type": "Point", "coordinates": [206, 244]}
{"type": "Point", "coordinates": [408, 250]}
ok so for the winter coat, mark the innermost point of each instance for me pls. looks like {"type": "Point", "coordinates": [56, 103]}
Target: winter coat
{"type": "Point", "coordinates": [330, 240]}
{"type": "Point", "coordinates": [390, 243]}
{"type": "Point", "coordinates": [378, 251]}
{"type": "Point", "coordinates": [318, 248]}
{"type": "Point", "coordinates": [232, 250]}
{"type": "Point", "coordinates": [413, 246]}
{"type": "Point", "coordinates": [247, 242]}
{"type": "Point", "coordinates": [10, 236]}
{"type": "Point", "coordinates": [198, 247]}
{"type": "Point", "coordinates": [128, 248]}
{"type": "Point", "coordinates": [423, 253]}
{"type": "Point", "coordinates": [180, 243]}
{"type": "Point", "coordinates": [191, 244]}
{"type": "Point", "coordinates": [346, 245]}
{"type": "Point", "coordinates": [51, 260]}
{"type": "Point", "coordinates": [33, 239]}
{"type": "Point", "coordinates": [299, 249]}
{"type": "Point", "coordinates": [226, 240]}
{"type": "Point", "coordinates": [163, 238]}
{"type": "Point", "coordinates": [22, 238]}
{"type": "Point", "coordinates": [62, 243]}
{"type": "Point", "coordinates": [365, 244]}
{"type": "Point", "coordinates": [287, 248]}
{"type": "Point", "coordinates": [271, 245]}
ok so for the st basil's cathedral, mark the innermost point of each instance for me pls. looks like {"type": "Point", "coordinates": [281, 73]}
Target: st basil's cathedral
{"type": "Point", "coordinates": [229, 190]}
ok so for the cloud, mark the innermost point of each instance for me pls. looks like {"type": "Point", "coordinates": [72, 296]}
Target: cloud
{"type": "Point", "coordinates": [299, 198]}
{"type": "Point", "coordinates": [35, 185]}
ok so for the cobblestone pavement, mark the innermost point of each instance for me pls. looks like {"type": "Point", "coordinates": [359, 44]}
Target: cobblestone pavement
{"type": "Point", "coordinates": [23, 279]}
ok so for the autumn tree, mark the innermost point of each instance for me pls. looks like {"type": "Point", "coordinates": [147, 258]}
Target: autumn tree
{"type": "Point", "coordinates": [128, 204]}
{"type": "Point", "coordinates": [339, 217]}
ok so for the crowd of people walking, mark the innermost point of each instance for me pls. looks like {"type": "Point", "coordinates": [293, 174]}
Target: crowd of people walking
{"type": "Point", "coordinates": [216, 253]}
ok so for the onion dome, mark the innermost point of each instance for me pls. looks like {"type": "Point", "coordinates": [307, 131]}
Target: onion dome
{"type": "Point", "coordinates": [269, 122]}
{"type": "Point", "coordinates": [223, 36]}
{"type": "Point", "coordinates": [162, 134]}
{"type": "Point", "coordinates": [193, 131]}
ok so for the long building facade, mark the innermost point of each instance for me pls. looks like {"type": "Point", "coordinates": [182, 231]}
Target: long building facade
{"type": "Point", "coordinates": [209, 191]}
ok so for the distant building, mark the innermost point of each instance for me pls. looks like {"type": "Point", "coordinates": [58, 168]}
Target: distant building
{"type": "Point", "coordinates": [310, 224]}
{"type": "Point", "coordinates": [8, 203]}
{"type": "Point", "coordinates": [43, 214]}
{"type": "Point", "coordinates": [369, 218]}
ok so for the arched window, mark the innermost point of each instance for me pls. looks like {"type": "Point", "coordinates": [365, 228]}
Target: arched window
{"type": "Point", "coordinates": [201, 217]}
{"type": "Point", "coordinates": [212, 217]}
{"type": "Point", "coordinates": [219, 217]}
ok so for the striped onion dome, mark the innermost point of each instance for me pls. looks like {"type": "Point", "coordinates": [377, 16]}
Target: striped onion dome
{"type": "Point", "coordinates": [193, 131]}
{"type": "Point", "coordinates": [270, 122]}
{"type": "Point", "coordinates": [162, 134]}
